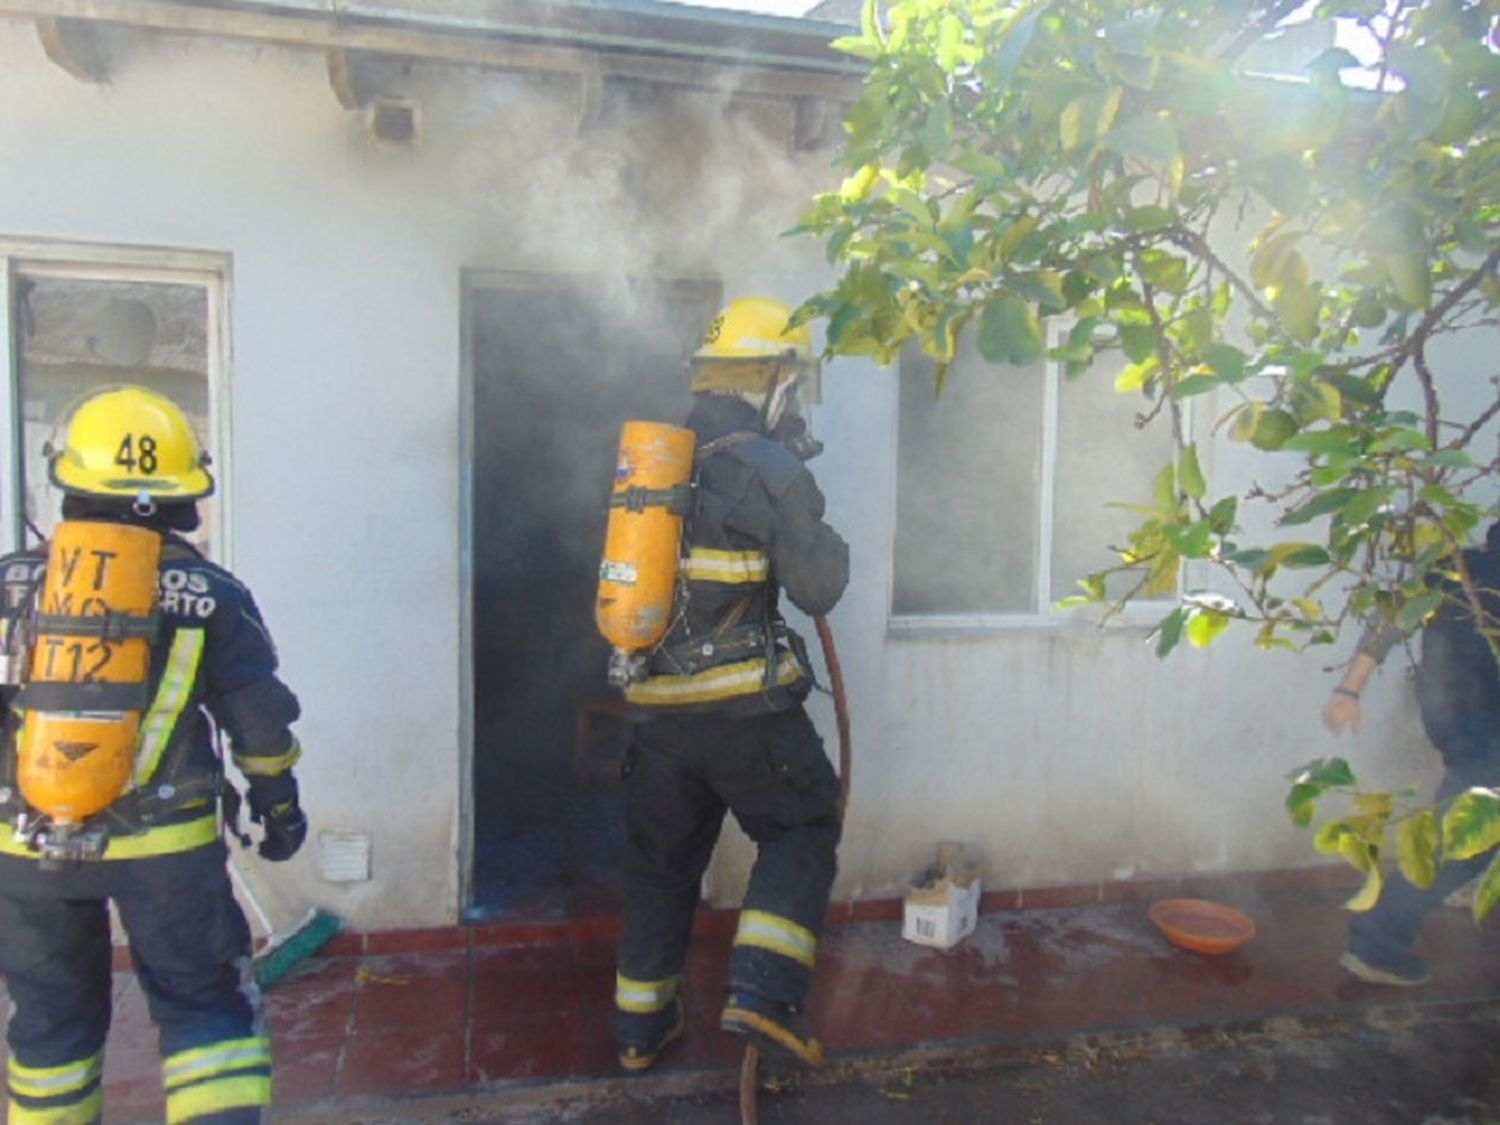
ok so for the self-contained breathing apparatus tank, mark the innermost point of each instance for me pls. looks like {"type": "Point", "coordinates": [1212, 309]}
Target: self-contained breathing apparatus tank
{"type": "Point", "coordinates": [638, 575]}
{"type": "Point", "coordinates": [85, 656]}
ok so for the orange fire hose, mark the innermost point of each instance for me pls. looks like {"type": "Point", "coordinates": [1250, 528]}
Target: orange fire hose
{"type": "Point", "coordinates": [750, 1064]}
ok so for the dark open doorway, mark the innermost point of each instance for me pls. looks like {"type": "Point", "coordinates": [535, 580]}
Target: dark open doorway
{"type": "Point", "coordinates": [558, 365]}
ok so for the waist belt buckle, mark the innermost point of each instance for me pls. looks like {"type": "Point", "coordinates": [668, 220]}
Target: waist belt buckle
{"type": "Point", "coordinates": [626, 668]}
{"type": "Point", "coordinates": [56, 844]}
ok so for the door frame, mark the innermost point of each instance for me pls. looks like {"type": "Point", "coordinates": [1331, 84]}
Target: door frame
{"type": "Point", "coordinates": [475, 280]}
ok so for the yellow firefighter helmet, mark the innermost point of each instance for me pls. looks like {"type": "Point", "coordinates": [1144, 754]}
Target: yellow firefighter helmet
{"type": "Point", "coordinates": [742, 343]}
{"type": "Point", "coordinates": [130, 442]}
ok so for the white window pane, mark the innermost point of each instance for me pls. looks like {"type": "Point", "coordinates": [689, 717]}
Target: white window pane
{"type": "Point", "coordinates": [1102, 458]}
{"type": "Point", "coordinates": [76, 335]}
{"type": "Point", "coordinates": [968, 489]}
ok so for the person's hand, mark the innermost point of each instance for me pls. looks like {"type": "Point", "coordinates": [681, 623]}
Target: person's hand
{"type": "Point", "coordinates": [274, 806]}
{"type": "Point", "coordinates": [1342, 712]}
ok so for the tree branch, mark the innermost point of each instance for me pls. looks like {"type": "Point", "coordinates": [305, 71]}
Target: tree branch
{"type": "Point", "coordinates": [1416, 343]}
{"type": "Point", "coordinates": [1259, 30]}
{"type": "Point", "coordinates": [1478, 424]}
{"type": "Point", "coordinates": [1192, 241]}
{"type": "Point", "coordinates": [1429, 392]}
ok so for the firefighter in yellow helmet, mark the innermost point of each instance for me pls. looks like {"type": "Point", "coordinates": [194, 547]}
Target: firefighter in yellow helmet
{"type": "Point", "coordinates": [77, 830]}
{"type": "Point", "coordinates": [719, 723]}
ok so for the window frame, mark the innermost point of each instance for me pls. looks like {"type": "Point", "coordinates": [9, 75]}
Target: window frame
{"type": "Point", "coordinates": [1138, 615]}
{"type": "Point", "coordinates": [89, 261]}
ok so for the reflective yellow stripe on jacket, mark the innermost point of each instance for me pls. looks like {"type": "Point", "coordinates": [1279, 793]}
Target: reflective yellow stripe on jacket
{"type": "Point", "coordinates": [724, 682]}
{"type": "Point", "coordinates": [165, 840]}
{"type": "Point", "coordinates": [729, 567]}
{"type": "Point", "coordinates": [172, 694]}
{"type": "Point", "coordinates": [268, 765]}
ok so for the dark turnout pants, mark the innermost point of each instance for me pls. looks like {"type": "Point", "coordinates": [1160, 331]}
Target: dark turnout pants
{"type": "Point", "coordinates": [681, 775]}
{"type": "Point", "coordinates": [1470, 749]}
{"type": "Point", "coordinates": [190, 945]}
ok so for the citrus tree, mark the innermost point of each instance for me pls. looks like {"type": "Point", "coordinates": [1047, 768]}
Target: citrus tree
{"type": "Point", "coordinates": [1290, 248]}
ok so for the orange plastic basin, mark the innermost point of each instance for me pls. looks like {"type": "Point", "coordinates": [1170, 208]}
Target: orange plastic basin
{"type": "Point", "coordinates": [1202, 926]}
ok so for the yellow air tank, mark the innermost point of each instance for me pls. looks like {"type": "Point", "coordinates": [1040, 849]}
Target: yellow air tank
{"type": "Point", "coordinates": [89, 668]}
{"type": "Point", "coordinates": [638, 576]}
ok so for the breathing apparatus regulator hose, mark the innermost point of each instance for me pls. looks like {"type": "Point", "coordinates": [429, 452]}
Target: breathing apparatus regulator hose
{"type": "Point", "coordinates": [750, 1064]}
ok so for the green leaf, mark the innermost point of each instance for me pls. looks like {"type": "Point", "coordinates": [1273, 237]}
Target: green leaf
{"type": "Point", "coordinates": [1043, 287]}
{"type": "Point", "coordinates": [1165, 490]}
{"type": "Point", "coordinates": [1299, 304]}
{"type": "Point", "coordinates": [1415, 610]}
{"type": "Point", "coordinates": [1204, 628]}
{"type": "Point", "coordinates": [1327, 443]}
{"type": "Point", "coordinates": [1471, 826]}
{"type": "Point", "coordinates": [1189, 540]}
{"type": "Point", "coordinates": [1227, 360]}
{"type": "Point", "coordinates": [1165, 271]}
{"type": "Point", "coordinates": [1169, 631]}
{"type": "Point", "coordinates": [1487, 894]}
{"type": "Point", "coordinates": [1195, 385]}
{"type": "Point", "coordinates": [1137, 375]}
{"type": "Point", "coordinates": [1151, 217]}
{"type": "Point", "coordinates": [1272, 429]}
{"type": "Point", "coordinates": [1190, 474]}
{"type": "Point", "coordinates": [1011, 332]}
{"type": "Point", "coordinates": [1329, 838]}
{"type": "Point", "coordinates": [1253, 559]}
{"type": "Point", "coordinates": [1411, 278]}
{"type": "Point", "coordinates": [1302, 804]}
{"type": "Point", "coordinates": [1325, 772]}
{"type": "Point", "coordinates": [1296, 556]}
{"type": "Point", "coordinates": [950, 42]}
{"type": "Point", "coordinates": [1015, 40]}
{"type": "Point", "coordinates": [1137, 341]}
{"type": "Point", "coordinates": [1426, 70]}
{"type": "Point", "coordinates": [1359, 854]}
{"type": "Point", "coordinates": [1150, 137]}
{"type": "Point", "coordinates": [857, 186]}
{"type": "Point", "coordinates": [1360, 510]}
{"type": "Point", "coordinates": [1450, 459]}
{"type": "Point", "coordinates": [1402, 440]}
{"type": "Point", "coordinates": [1088, 117]}
{"type": "Point", "coordinates": [1320, 505]}
{"type": "Point", "coordinates": [1417, 841]}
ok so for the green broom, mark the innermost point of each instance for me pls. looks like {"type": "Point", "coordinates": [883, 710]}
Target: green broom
{"type": "Point", "coordinates": [284, 953]}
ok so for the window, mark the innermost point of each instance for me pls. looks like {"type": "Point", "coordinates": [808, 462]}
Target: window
{"type": "Point", "coordinates": [1004, 484]}
{"type": "Point", "coordinates": [81, 320]}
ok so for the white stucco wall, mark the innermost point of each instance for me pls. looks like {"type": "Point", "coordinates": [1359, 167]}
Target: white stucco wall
{"type": "Point", "coordinates": [1059, 755]}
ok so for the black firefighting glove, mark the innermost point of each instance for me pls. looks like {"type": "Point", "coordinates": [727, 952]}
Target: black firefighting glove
{"type": "Point", "coordinates": [273, 805]}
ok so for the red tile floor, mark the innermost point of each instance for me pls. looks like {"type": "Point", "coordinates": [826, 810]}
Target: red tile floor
{"type": "Point", "coordinates": [470, 1013]}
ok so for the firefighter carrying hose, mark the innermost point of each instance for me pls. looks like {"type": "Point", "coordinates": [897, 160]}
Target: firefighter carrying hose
{"type": "Point", "coordinates": [121, 649]}
{"type": "Point", "coordinates": [716, 706]}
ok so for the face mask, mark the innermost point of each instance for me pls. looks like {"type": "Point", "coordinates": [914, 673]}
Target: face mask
{"type": "Point", "coordinates": [793, 431]}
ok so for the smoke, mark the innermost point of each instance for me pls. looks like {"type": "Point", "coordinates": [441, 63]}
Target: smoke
{"type": "Point", "coordinates": [653, 181]}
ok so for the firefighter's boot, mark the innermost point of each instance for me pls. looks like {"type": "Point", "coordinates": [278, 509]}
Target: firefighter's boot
{"type": "Point", "coordinates": [770, 1026]}
{"type": "Point", "coordinates": [640, 1047]}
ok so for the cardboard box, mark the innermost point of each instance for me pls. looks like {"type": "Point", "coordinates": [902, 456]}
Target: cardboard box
{"type": "Point", "coordinates": [942, 905]}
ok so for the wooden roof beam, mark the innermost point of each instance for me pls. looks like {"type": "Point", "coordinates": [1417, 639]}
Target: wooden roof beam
{"type": "Point", "coordinates": [359, 77]}
{"type": "Point", "coordinates": [535, 48]}
{"type": "Point", "coordinates": [74, 46]}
